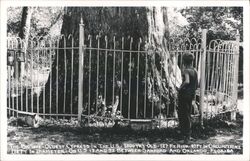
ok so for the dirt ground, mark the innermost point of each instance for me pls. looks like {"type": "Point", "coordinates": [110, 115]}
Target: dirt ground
{"type": "Point", "coordinates": [217, 137]}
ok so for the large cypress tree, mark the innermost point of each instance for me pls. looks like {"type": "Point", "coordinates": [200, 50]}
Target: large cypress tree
{"type": "Point", "coordinates": [146, 24]}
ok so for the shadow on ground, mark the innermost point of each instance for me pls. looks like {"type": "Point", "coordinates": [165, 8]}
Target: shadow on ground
{"type": "Point", "coordinates": [215, 131]}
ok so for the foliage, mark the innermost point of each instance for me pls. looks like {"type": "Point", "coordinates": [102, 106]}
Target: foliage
{"type": "Point", "coordinates": [13, 20]}
{"type": "Point", "coordinates": [44, 21]}
{"type": "Point", "coordinates": [178, 24]}
{"type": "Point", "coordinates": [222, 22]}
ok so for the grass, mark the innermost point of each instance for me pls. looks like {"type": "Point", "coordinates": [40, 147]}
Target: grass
{"type": "Point", "coordinates": [216, 132]}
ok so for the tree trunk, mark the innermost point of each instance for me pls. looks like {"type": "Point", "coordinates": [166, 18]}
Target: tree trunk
{"type": "Point", "coordinates": [24, 34]}
{"type": "Point", "coordinates": [150, 24]}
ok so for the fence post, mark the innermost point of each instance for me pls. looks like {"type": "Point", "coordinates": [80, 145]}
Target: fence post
{"type": "Point", "coordinates": [10, 112]}
{"type": "Point", "coordinates": [202, 73]}
{"type": "Point", "coordinates": [80, 73]}
{"type": "Point", "coordinates": [236, 73]}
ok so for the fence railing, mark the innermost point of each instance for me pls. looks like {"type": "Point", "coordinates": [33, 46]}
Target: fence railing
{"type": "Point", "coordinates": [115, 74]}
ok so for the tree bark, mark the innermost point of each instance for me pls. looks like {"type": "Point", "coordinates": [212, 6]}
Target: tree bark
{"type": "Point", "coordinates": [24, 34]}
{"type": "Point", "coordinates": [163, 74]}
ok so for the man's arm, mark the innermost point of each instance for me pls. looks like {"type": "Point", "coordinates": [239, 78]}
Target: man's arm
{"type": "Point", "coordinates": [186, 82]}
{"type": "Point", "coordinates": [197, 82]}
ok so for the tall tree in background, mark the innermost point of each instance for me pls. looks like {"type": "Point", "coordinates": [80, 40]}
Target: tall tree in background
{"type": "Point", "coordinates": [25, 23]}
{"type": "Point", "coordinates": [148, 23]}
{"type": "Point", "coordinates": [24, 34]}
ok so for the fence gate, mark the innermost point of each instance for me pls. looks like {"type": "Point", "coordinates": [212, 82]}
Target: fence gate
{"type": "Point", "coordinates": [111, 77]}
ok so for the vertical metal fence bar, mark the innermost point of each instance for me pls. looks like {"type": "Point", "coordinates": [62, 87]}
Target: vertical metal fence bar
{"type": "Point", "coordinates": [97, 69]}
{"type": "Point", "coordinates": [31, 75]}
{"type": "Point", "coordinates": [43, 83]}
{"type": "Point", "coordinates": [221, 70]}
{"type": "Point", "coordinates": [130, 68]}
{"type": "Point", "coordinates": [233, 78]}
{"type": "Point", "coordinates": [218, 54]}
{"type": "Point", "coordinates": [37, 77]}
{"type": "Point", "coordinates": [137, 76]}
{"type": "Point", "coordinates": [90, 57]}
{"type": "Point", "coordinates": [80, 72]}
{"type": "Point", "coordinates": [208, 66]}
{"type": "Point", "coordinates": [232, 63]}
{"type": "Point", "coordinates": [26, 85]}
{"type": "Point", "coordinates": [213, 66]}
{"type": "Point", "coordinates": [224, 72]}
{"type": "Point", "coordinates": [236, 63]}
{"type": "Point", "coordinates": [72, 75]}
{"type": "Point", "coordinates": [216, 68]}
{"type": "Point", "coordinates": [231, 84]}
{"type": "Point", "coordinates": [57, 57]}
{"type": "Point", "coordinates": [196, 55]}
{"type": "Point", "coordinates": [10, 42]}
{"type": "Point", "coordinates": [113, 82]}
{"type": "Point", "coordinates": [153, 83]}
{"type": "Point", "coordinates": [175, 99]}
{"type": "Point", "coordinates": [105, 68]}
{"type": "Point", "coordinates": [202, 82]}
{"type": "Point", "coordinates": [209, 69]}
{"type": "Point", "coordinates": [10, 89]}
{"type": "Point", "coordinates": [8, 82]}
{"type": "Point", "coordinates": [233, 72]}
{"type": "Point", "coordinates": [17, 80]}
{"type": "Point", "coordinates": [229, 76]}
{"type": "Point", "coordinates": [220, 77]}
{"type": "Point", "coordinates": [13, 83]}
{"type": "Point", "coordinates": [145, 85]}
{"type": "Point", "coordinates": [17, 89]}
{"type": "Point", "coordinates": [21, 79]}
{"type": "Point", "coordinates": [216, 77]}
{"type": "Point", "coordinates": [233, 75]}
{"type": "Point", "coordinates": [221, 61]}
{"type": "Point", "coordinates": [50, 80]}
{"type": "Point", "coordinates": [228, 73]}
{"type": "Point", "coordinates": [122, 75]}
{"type": "Point", "coordinates": [226, 63]}
{"type": "Point", "coordinates": [65, 74]}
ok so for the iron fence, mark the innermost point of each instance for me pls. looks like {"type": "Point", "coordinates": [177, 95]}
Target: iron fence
{"type": "Point", "coordinates": [115, 73]}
